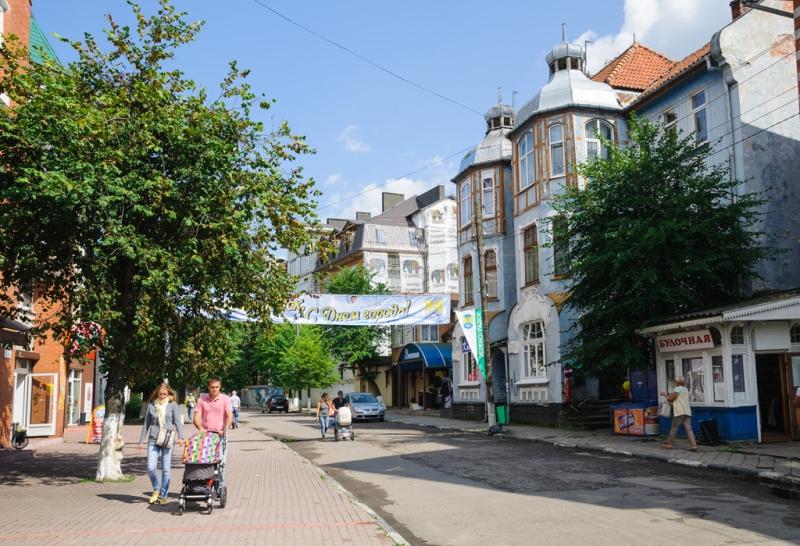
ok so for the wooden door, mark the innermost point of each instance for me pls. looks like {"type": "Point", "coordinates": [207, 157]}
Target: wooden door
{"type": "Point", "coordinates": [793, 376]}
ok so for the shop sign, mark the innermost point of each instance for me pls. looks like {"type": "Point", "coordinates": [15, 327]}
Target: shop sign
{"type": "Point", "coordinates": [408, 355]}
{"type": "Point", "coordinates": [695, 340]}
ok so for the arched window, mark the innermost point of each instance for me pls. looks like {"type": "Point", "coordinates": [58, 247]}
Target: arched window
{"type": "Point", "coordinates": [533, 350]}
{"type": "Point", "coordinates": [557, 150]}
{"type": "Point", "coordinates": [466, 203]}
{"type": "Point", "coordinates": [526, 164]}
{"type": "Point", "coordinates": [594, 146]}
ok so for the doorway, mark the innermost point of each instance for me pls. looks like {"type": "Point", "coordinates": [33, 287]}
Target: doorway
{"type": "Point", "coordinates": [773, 399]}
{"type": "Point", "coordinates": [74, 397]}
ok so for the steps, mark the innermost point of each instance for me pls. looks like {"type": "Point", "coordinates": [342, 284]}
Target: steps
{"type": "Point", "coordinates": [593, 415]}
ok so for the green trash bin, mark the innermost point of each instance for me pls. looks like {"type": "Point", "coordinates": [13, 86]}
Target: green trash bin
{"type": "Point", "coordinates": [502, 414]}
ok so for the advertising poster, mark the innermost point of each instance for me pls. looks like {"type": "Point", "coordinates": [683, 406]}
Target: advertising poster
{"type": "Point", "coordinates": [629, 421]}
{"type": "Point", "coordinates": [412, 272]}
{"type": "Point", "coordinates": [95, 433]}
{"type": "Point", "coordinates": [88, 393]}
{"type": "Point", "coordinates": [377, 263]}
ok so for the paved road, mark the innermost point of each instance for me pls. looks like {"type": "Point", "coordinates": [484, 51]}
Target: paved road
{"type": "Point", "coordinates": [438, 487]}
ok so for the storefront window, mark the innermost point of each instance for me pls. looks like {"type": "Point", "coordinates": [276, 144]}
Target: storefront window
{"type": "Point", "coordinates": [695, 379]}
{"type": "Point", "coordinates": [737, 335]}
{"type": "Point", "coordinates": [719, 378]}
{"type": "Point", "coordinates": [738, 372]}
{"type": "Point", "coordinates": [470, 368]}
{"type": "Point", "coordinates": [670, 365]}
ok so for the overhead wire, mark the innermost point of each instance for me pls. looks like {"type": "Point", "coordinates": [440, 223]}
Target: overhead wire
{"type": "Point", "coordinates": [365, 59]}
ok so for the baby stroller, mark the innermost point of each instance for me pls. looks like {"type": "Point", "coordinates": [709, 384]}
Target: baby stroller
{"type": "Point", "coordinates": [204, 473]}
{"type": "Point", "coordinates": [344, 424]}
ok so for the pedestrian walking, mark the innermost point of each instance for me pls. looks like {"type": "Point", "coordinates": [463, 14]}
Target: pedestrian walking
{"type": "Point", "coordinates": [162, 418]}
{"type": "Point", "coordinates": [338, 403]}
{"type": "Point", "coordinates": [324, 411]}
{"type": "Point", "coordinates": [191, 402]}
{"type": "Point", "coordinates": [681, 414]}
{"type": "Point", "coordinates": [236, 403]}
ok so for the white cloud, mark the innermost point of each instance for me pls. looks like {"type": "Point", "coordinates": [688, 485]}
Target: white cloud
{"type": "Point", "coordinates": [351, 142]}
{"type": "Point", "coordinates": [368, 199]}
{"type": "Point", "coordinates": [332, 179]}
{"type": "Point", "coordinates": [675, 28]}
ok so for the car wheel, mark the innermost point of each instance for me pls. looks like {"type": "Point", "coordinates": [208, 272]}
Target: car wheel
{"type": "Point", "coordinates": [269, 410]}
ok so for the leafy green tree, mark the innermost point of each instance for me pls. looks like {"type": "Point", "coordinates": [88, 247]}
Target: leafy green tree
{"type": "Point", "coordinates": [356, 346]}
{"type": "Point", "coordinates": [240, 366]}
{"type": "Point", "coordinates": [657, 232]}
{"type": "Point", "coordinates": [133, 199]}
{"type": "Point", "coordinates": [298, 359]}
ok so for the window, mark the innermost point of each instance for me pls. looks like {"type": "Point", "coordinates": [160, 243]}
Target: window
{"type": "Point", "coordinates": [694, 372]}
{"type": "Point", "coordinates": [397, 336]}
{"type": "Point", "coordinates": [468, 285]}
{"type": "Point", "coordinates": [491, 274]}
{"type": "Point", "coordinates": [594, 146]}
{"type": "Point", "coordinates": [488, 196]}
{"type": "Point", "coordinates": [381, 235]}
{"type": "Point", "coordinates": [737, 335]}
{"type": "Point", "coordinates": [699, 117]}
{"type": "Point", "coordinates": [533, 349]}
{"type": "Point", "coordinates": [670, 121]}
{"type": "Point", "coordinates": [716, 337]}
{"type": "Point", "coordinates": [531, 250]}
{"type": "Point", "coordinates": [412, 235]}
{"type": "Point", "coordinates": [557, 150]}
{"type": "Point", "coordinates": [737, 368]}
{"type": "Point", "coordinates": [794, 333]}
{"type": "Point", "coordinates": [394, 271]}
{"type": "Point", "coordinates": [411, 334]}
{"type": "Point", "coordinates": [560, 248]}
{"type": "Point", "coordinates": [526, 165]}
{"type": "Point", "coordinates": [466, 203]}
{"type": "Point", "coordinates": [718, 377]}
{"type": "Point", "coordinates": [26, 297]}
{"type": "Point", "coordinates": [429, 333]}
{"type": "Point", "coordinates": [670, 366]}
{"type": "Point", "coordinates": [468, 363]}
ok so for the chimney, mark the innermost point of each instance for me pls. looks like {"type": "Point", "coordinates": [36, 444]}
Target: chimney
{"type": "Point", "coordinates": [391, 199]}
{"type": "Point", "coordinates": [363, 216]}
{"type": "Point", "coordinates": [738, 9]}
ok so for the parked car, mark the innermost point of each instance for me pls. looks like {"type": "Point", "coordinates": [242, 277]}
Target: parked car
{"type": "Point", "coordinates": [276, 402]}
{"type": "Point", "coordinates": [365, 406]}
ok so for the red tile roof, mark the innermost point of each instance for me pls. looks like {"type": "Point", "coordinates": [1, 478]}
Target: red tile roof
{"type": "Point", "coordinates": [679, 68]}
{"type": "Point", "coordinates": [635, 69]}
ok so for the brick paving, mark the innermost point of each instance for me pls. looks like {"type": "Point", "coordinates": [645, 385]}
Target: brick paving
{"type": "Point", "coordinates": [779, 462]}
{"type": "Point", "coordinates": [274, 497]}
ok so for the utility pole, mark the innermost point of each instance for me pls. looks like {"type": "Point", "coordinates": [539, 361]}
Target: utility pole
{"type": "Point", "coordinates": [484, 325]}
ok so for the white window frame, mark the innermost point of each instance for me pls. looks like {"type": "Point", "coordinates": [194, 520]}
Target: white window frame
{"type": "Point", "coordinates": [527, 161]}
{"type": "Point", "coordinates": [27, 297]}
{"type": "Point", "coordinates": [466, 202]}
{"type": "Point", "coordinates": [696, 111]}
{"type": "Point", "coordinates": [429, 333]}
{"type": "Point", "coordinates": [533, 346]}
{"type": "Point", "coordinates": [557, 148]}
{"type": "Point", "coordinates": [670, 119]}
{"type": "Point", "coordinates": [488, 176]}
{"type": "Point", "coordinates": [380, 236]}
{"type": "Point", "coordinates": [398, 336]}
{"type": "Point", "coordinates": [591, 138]}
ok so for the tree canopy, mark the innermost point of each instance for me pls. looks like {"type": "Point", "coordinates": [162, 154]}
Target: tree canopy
{"type": "Point", "coordinates": [659, 230]}
{"type": "Point", "coordinates": [132, 198]}
{"type": "Point", "coordinates": [357, 347]}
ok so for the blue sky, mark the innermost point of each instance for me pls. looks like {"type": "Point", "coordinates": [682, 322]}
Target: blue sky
{"type": "Point", "coordinates": [368, 127]}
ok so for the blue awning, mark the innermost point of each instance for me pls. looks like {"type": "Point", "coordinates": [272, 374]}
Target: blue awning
{"type": "Point", "coordinates": [430, 355]}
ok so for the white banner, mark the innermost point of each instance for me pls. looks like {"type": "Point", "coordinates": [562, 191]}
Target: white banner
{"type": "Point", "coordinates": [470, 322]}
{"type": "Point", "coordinates": [363, 310]}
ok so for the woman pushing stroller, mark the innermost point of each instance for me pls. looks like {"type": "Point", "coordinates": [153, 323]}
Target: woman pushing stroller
{"type": "Point", "coordinates": [162, 417]}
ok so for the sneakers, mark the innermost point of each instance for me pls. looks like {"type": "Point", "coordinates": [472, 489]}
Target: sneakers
{"type": "Point", "coordinates": [154, 497]}
{"type": "Point", "coordinates": [666, 446]}
{"type": "Point", "coordinates": [162, 501]}
{"type": "Point", "coordinates": [693, 448]}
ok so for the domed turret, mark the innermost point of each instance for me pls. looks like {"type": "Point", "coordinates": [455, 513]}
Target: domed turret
{"type": "Point", "coordinates": [565, 56]}
{"type": "Point", "coordinates": [495, 146]}
{"type": "Point", "coordinates": [499, 116]}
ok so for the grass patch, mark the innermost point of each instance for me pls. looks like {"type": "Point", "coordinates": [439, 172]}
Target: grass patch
{"type": "Point", "coordinates": [126, 479]}
{"type": "Point", "coordinates": [287, 440]}
{"type": "Point", "coordinates": [731, 450]}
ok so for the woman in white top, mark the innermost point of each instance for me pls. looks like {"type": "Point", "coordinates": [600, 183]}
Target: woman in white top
{"type": "Point", "coordinates": [681, 414]}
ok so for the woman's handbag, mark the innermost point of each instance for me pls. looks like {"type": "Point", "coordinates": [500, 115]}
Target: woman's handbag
{"type": "Point", "coordinates": [665, 410]}
{"type": "Point", "coordinates": [165, 438]}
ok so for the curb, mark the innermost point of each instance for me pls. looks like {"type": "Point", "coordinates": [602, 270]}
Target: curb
{"type": "Point", "coordinates": [750, 473]}
{"type": "Point", "coordinates": [16, 456]}
{"type": "Point", "coordinates": [393, 535]}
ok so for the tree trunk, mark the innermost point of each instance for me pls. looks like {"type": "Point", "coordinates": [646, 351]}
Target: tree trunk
{"type": "Point", "coordinates": [109, 465]}
{"type": "Point", "coordinates": [365, 374]}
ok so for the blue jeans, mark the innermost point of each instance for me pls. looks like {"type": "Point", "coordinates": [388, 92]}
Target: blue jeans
{"type": "Point", "coordinates": [323, 425]}
{"type": "Point", "coordinates": [153, 454]}
{"type": "Point", "coordinates": [191, 413]}
{"type": "Point", "coordinates": [236, 417]}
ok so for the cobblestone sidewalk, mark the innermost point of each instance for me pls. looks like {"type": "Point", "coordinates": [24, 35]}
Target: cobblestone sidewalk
{"type": "Point", "coordinates": [274, 497]}
{"type": "Point", "coordinates": [774, 462]}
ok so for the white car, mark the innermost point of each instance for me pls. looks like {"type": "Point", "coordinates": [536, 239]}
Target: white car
{"type": "Point", "coordinates": [365, 407]}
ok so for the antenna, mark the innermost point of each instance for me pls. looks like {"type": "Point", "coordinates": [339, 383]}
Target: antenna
{"type": "Point", "coordinates": [499, 95]}
{"type": "Point", "coordinates": [514, 104]}
{"type": "Point", "coordinates": [585, 55]}
{"type": "Point", "coordinates": [564, 32]}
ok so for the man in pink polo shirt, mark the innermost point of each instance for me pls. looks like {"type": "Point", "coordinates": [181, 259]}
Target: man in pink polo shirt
{"type": "Point", "coordinates": [214, 411]}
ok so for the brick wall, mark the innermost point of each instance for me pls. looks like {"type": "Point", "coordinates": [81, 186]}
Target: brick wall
{"type": "Point", "coordinates": [796, 7]}
{"type": "Point", "coordinates": [18, 20]}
